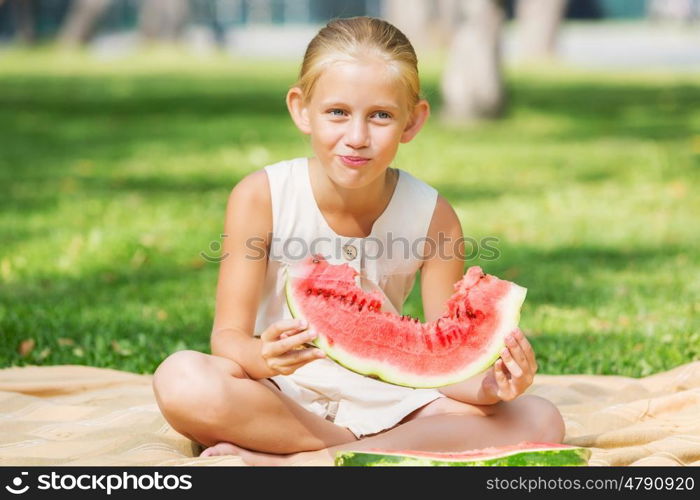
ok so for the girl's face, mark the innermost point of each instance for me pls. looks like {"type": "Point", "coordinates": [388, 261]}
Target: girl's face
{"type": "Point", "coordinates": [357, 109]}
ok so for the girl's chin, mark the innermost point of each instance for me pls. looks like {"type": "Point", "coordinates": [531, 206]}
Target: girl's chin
{"type": "Point", "coordinates": [351, 179]}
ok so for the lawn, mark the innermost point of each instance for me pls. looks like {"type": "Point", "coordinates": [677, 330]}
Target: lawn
{"type": "Point", "coordinates": [114, 177]}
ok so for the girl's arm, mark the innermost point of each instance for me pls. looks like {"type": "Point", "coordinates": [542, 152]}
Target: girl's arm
{"type": "Point", "coordinates": [247, 230]}
{"type": "Point", "coordinates": [514, 372]}
{"type": "Point", "coordinates": [439, 273]}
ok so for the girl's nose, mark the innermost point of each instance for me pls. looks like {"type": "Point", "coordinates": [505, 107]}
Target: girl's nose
{"type": "Point", "coordinates": [357, 135]}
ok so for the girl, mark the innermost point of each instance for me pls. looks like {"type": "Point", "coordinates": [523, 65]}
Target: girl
{"type": "Point", "coordinates": [268, 397]}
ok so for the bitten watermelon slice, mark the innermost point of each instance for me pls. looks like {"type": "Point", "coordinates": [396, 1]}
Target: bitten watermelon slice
{"type": "Point", "coordinates": [522, 454]}
{"type": "Point", "coordinates": [353, 330]}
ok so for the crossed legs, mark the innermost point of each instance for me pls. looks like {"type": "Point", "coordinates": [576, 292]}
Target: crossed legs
{"type": "Point", "coordinates": [211, 400]}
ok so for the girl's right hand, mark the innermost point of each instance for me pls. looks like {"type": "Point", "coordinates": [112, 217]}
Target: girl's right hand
{"type": "Point", "coordinates": [282, 348]}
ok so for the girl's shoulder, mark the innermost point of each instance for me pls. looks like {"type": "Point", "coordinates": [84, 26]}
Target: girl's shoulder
{"type": "Point", "coordinates": [417, 185]}
{"type": "Point", "coordinates": [250, 201]}
{"type": "Point", "coordinates": [257, 183]}
{"type": "Point", "coordinates": [253, 187]}
{"type": "Point", "coordinates": [254, 194]}
{"type": "Point", "coordinates": [413, 195]}
{"type": "Point", "coordinates": [283, 167]}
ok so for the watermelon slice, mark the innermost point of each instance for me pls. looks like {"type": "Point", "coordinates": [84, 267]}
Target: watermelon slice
{"type": "Point", "coordinates": [353, 330]}
{"type": "Point", "coordinates": [522, 454]}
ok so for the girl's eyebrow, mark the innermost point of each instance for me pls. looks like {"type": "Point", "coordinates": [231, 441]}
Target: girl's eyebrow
{"type": "Point", "coordinates": [380, 105]}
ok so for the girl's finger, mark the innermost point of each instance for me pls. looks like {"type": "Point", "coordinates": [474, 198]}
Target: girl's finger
{"type": "Point", "coordinates": [518, 355]}
{"type": "Point", "coordinates": [500, 374]}
{"type": "Point", "coordinates": [300, 357]}
{"type": "Point", "coordinates": [293, 340]}
{"type": "Point", "coordinates": [276, 329]}
{"type": "Point", "coordinates": [504, 384]}
{"type": "Point", "coordinates": [291, 333]}
{"type": "Point", "coordinates": [527, 349]}
{"type": "Point", "coordinates": [513, 367]}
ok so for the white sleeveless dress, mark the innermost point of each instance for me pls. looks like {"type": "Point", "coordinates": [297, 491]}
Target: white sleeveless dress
{"type": "Point", "coordinates": [387, 261]}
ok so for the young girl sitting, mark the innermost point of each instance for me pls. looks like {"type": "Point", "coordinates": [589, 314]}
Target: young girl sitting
{"type": "Point", "coordinates": [266, 396]}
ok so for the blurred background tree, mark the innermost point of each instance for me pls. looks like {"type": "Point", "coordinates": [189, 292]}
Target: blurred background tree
{"type": "Point", "coordinates": [163, 19]}
{"type": "Point", "coordinates": [538, 24]}
{"type": "Point", "coordinates": [81, 21]}
{"type": "Point", "coordinates": [472, 80]}
{"type": "Point", "coordinates": [469, 32]}
{"type": "Point", "coordinates": [22, 14]}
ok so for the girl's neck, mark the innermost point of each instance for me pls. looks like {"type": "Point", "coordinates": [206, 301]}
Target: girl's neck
{"type": "Point", "coordinates": [365, 204]}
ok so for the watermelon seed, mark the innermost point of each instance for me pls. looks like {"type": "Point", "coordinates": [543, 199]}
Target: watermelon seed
{"type": "Point", "coordinates": [309, 291]}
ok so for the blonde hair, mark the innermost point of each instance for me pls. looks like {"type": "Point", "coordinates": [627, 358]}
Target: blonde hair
{"type": "Point", "coordinates": [353, 39]}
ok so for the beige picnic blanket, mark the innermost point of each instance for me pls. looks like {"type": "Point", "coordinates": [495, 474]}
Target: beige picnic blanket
{"type": "Point", "coordinates": [79, 415]}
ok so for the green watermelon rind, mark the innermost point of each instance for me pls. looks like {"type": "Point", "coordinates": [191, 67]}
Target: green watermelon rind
{"type": "Point", "coordinates": [513, 301]}
{"type": "Point", "coordinates": [561, 457]}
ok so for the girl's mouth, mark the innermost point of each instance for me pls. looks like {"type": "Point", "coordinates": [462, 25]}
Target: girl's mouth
{"type": "Point", "coordinates": [354, 161]}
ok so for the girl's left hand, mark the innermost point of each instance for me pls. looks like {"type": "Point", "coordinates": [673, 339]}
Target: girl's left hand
{"type": "Point", "coordinates": [513, 372]}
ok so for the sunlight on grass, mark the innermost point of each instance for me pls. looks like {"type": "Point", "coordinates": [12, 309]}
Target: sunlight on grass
{"type": "Point", "coordinates": [114, 177]}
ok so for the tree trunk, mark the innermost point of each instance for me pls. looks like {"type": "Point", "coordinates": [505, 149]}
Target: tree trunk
{"type": "Point", "coordinates": [24, 14]}
{"type": "Point", "coordinates": [472, 83]}
{"type": "Point", "coordinates": [412, 17]}
{"type": "Point", "coordinates": [447, 20]}
{"type": "Point", "coordinates": [538, 23]}
{"type": "Point", "coordinates": [163, 19]}
{"type": "Point", "coordinates": [81, 21]}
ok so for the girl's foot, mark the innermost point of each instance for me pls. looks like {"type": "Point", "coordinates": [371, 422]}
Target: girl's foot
{"type": "Point", "coordinates": [311, 458]}
{"type": "Point", "coordinates": [319, 457]}
{"type": "Point", "coordinates": [222, 448]}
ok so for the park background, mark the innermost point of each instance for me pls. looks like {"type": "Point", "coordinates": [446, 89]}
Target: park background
{"type": "Point", "coordinates": [124, 130]}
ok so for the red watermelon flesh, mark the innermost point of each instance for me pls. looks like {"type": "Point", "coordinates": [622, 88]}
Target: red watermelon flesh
{"type": "Point", "coordinates": [353, 329]}
{"type": "Point", "coordinates": [474, 454]}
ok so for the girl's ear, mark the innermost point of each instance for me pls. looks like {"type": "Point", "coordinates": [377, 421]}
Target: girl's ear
{"type": "Point", "coordinates": [421, 112]}
{"type": "Point", "coordinates": [298, 110]}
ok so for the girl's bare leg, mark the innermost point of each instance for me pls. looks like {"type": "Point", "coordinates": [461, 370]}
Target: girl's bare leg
{"type": "Point", "coordinates": [527, 418]}
{"type": "Point", "coordinates": [210, 400]}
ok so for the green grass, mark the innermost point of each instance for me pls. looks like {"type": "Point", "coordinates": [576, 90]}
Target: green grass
{"type": "Point", "coordinates": [114, 177]}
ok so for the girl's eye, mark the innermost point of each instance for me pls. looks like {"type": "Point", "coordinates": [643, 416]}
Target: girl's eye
{"type": "Point", "coordinates": [384, 113]}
